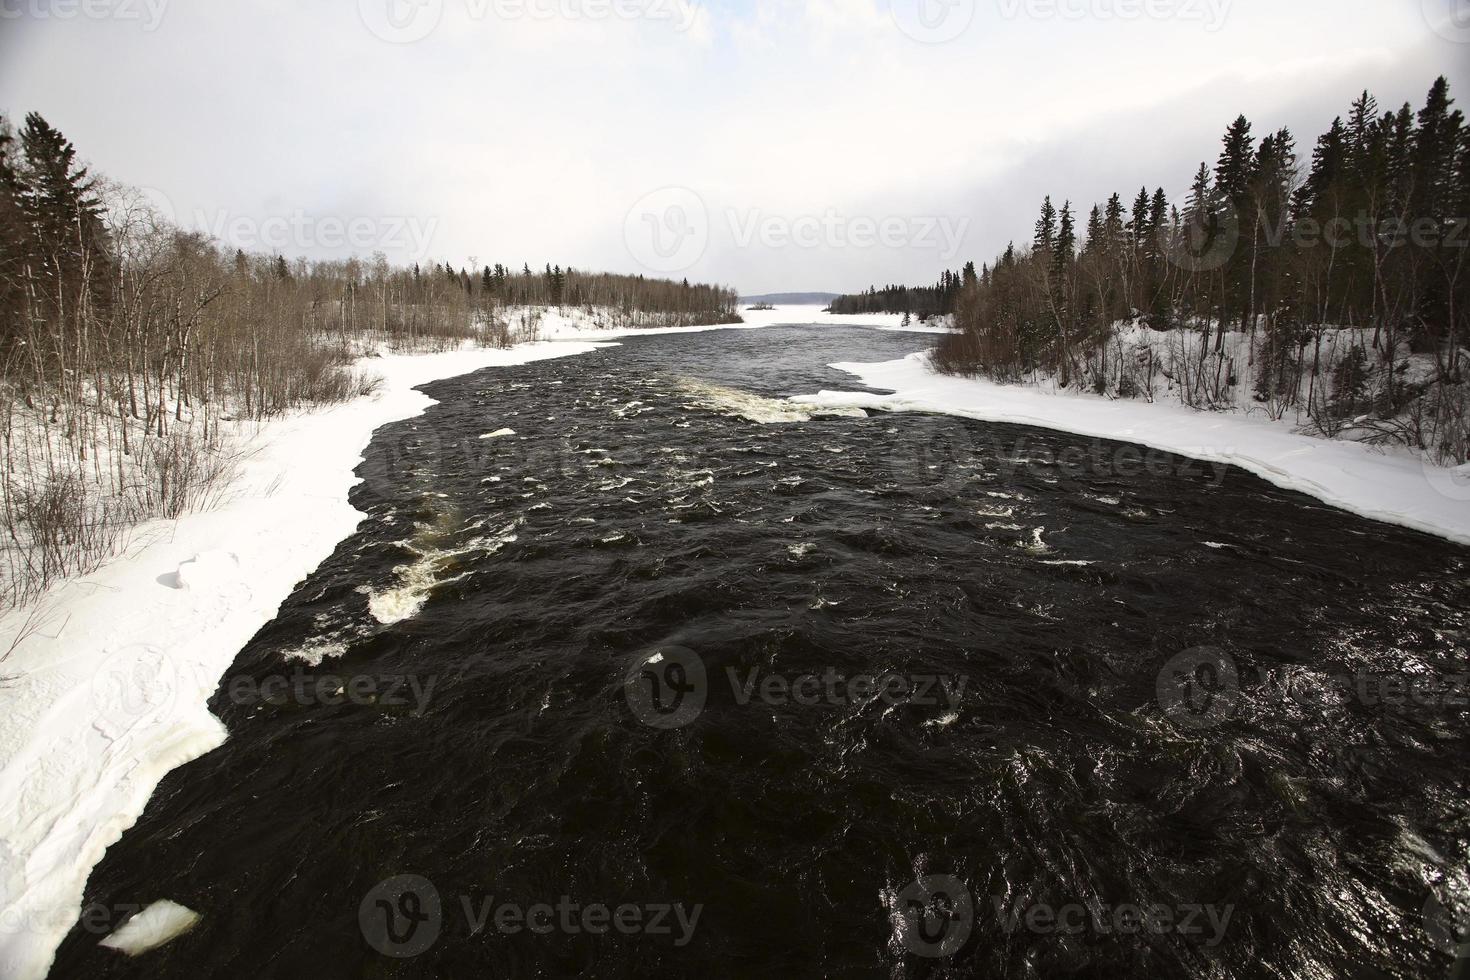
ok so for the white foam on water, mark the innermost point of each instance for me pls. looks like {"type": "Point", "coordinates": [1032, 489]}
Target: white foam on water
{"type": "Point", "coordinates": [1036, 545]}
{"type": "Point", "coordinates": [315, 651]}
{"type": "Point", "coordinates": [416, 581]}
{"type": "Point", "coordinates": [744, 404]}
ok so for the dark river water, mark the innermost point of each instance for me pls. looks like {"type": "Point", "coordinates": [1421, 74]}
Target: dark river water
{"type": "Point", "coordinates": [645, 688]}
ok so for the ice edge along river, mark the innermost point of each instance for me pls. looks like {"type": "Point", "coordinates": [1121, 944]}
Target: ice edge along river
{"type": "Point", "coordinates": [1391, 485]}
{"type": "Point", "coordinates": [110, 693]}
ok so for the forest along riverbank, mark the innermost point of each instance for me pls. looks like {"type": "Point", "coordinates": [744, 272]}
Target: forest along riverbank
{"type": "Point", "coordinates": [441, 718]}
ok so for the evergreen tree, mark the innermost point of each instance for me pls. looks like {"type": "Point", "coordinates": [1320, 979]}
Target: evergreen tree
{"type": "Point", "coordinates": [1233, 169]}
{"type": "Point", "coordinates": [57, 199]}
{"type": "Point", "coordinates": [1199, 206]}
{"type": "Point", "coordinates": [1350, 385]}
{"type": "Point", "coordinates": [1329, 160]}
{"type": "Point", "coordinates": [15, 241]}
{"type": "Point", "coordinates": [1046, 228]}
{"type": "Point", "coordinates": [1362, 125]}
{"type": "Point", "coordinates": [1097, 239]}
{"type": "Point", "coordinates": [1140, 225]}
{"type": "Point", "coordinates": [1158, 220]}
{"type": "Point", "coordinates": [1066, 241]}
{"type": "Point", "coordinates": [1435, 144]}
{"type": "Point", "coordinates": [1113, 222]}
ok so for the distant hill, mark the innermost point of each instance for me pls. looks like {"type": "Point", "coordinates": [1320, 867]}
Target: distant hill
{"type": "Point", "coordinates": [791, 299]}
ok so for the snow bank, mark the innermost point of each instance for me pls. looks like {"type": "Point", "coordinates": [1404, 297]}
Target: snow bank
{"type": "Point", "coordinates": [1388, 485]}
{"type": "Point", "coordinates": [105, 691]}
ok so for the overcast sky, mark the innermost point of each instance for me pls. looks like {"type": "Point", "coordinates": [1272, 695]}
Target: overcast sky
{"type": "Point", "coordinates": [767, 144]}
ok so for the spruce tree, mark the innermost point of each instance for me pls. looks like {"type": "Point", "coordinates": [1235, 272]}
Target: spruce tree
{"type": "Point", "coordinates": [1199, 206]}
{"type": "Point", "coordinates": [1329, 159]}
{"type": "Point", "coordinates": [1233, 169]}
{"type": "Point", "coordinates": [58, 201]}
{"type": "Point", "coordinates": [1046, 228]}
{"type": "Point", "coordinates": [1140, 224]}
{"type": "Point", "coordinates": [1362, 121]}
{"type": "Point", "coordinates": [1066, 241]}
{"type": "Point", "coordinates": [1113, 223]}
{"type": "Point", "coordinates": [15, 239]}
{"type": "Point", "coordinates": [1158, 219]}
{"type": "Point", "coordinates": [1435, 145]}
{"type": "Point", "coordinates": [1096, 237]}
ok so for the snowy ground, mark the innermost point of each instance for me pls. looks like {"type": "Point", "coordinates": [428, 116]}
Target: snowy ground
{"type": "Point", "coordinates": [105, 690]}
{"type": "Point", "coordinates": [1391, 485]}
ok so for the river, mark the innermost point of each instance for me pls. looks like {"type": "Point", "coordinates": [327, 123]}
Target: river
{"type": "Point", "coordinates": [634, 671]}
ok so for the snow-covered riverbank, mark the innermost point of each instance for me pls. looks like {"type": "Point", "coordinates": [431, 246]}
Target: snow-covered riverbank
{"type": "Point", "coordinates": [105, 688]}
{"type": "Point", "coordinates": [1391, 485]}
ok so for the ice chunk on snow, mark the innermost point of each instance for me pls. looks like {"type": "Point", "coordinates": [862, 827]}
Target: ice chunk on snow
{"type": "Point", "coordinates": [207, 571]}
{"type": "Point", "coordinates": [158, 924]}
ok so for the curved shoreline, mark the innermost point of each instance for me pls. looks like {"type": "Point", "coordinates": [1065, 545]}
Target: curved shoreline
{"type": "Point", "coordinates": [1387, 485]}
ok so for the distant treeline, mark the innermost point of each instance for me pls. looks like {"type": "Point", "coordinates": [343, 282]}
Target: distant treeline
{"type": "Point", "coordinates": [498, 286]}
{"type": "Point", "coordinates": [921, 302]}
{"type": "Point", "coordinates": [126, 341]}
